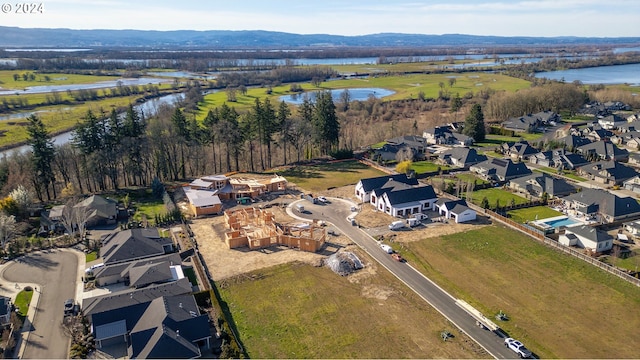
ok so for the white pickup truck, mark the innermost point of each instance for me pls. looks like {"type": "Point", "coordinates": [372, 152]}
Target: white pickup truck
{"type": "Point", "coordinates": [517, 347]}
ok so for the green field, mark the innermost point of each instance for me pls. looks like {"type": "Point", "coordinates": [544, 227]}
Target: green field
{"type": "Point", "coordinates": [559, 306]}
{"type": "Point", "coordinates": [405, 86]}
{"type": "Point", "coordinates": [300, 311]}
{"type": "Point", "coordinates": [567, 173]}
{"type": "Point", "coordinates": [91, 256]}
{"type": "Point", "coordinates": [532, 213]}
{"type": "Point", "coordinates": [329, 175]}
{"type": "Point", "coordinates": [7, 81]}
{"type": "Point", "coordinates": [421, 167]}
{"type": "Point", "coordinates": [496, 194]}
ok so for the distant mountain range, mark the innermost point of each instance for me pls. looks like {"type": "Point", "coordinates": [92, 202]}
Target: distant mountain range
{"type": "Point", "coordinates": [14, 37]}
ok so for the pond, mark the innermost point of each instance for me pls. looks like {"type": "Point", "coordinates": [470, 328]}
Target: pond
{"type": "Point", "coordinates": [359, 94]}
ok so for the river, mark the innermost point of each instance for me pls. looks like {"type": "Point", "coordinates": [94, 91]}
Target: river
{"type": "Point", "coordinates": [148, 108]}
{"type": "Point", "coordinates": [613, 74]}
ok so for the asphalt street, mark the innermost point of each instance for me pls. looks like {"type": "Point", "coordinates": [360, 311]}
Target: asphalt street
{"type": "Point", "coordinates": [56, 273]}
{"type": "Point", "coordinates": [337, 212]}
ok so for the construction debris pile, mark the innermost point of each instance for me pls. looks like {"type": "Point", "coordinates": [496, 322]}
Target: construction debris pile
{"type": "Point", "coordinates": [344, 263]}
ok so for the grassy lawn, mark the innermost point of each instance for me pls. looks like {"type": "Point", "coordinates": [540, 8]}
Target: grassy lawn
{"type": "Point", "coordinates": [23, 299]}
{"type": "Point", "coordinates": [149, 208]}
{"type": "Point", "coordinates": [551, 298]}
{"type": "Point", "coordinates": [91, 256]}
{"type": "Point", "coordinates": [329, 175]}
{"type": "Point", "coordinates": [8, 82]}
{"type": "Point", "coordinates": [533, 213]}
{"type": "Point", "coordinates": [630, 263]}
{"type": "Point", "coordinates": [421, 167]}
{"type": "Point", "coordinates": [471, 178]}
{"type": "Point", "coordinates": [567, 173]}
{"type": "Point", "coordinates": [497, 194]}
{"type": "Point", "coordinates": [310, 312]}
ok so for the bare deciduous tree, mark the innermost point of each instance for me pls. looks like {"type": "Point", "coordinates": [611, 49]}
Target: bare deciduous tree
{"type": "Point", "coordinates": [7, 229]}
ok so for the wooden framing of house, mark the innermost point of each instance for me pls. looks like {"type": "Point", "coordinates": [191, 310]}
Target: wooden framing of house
{"type": "Point", "coordinates": [256, 229]}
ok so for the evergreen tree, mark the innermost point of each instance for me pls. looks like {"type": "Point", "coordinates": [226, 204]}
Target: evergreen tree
{"type": "Point", "coordinates": [325, 123]}
{"type": "Point", "coordinates": [42, 157]}
{"type": "Point", "coordinates": [474, 124]}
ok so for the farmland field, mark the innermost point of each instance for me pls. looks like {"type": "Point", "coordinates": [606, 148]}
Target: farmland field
{"type": "Point", "coordinates": [311, 312]}
{"type": "Point", "coordinates": [552, 299]}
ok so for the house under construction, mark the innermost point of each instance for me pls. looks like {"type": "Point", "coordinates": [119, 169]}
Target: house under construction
{"type": "Point", "coordinates": [257, 229]}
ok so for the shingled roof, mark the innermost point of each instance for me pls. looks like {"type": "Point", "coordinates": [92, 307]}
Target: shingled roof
{"type": "Point", "coordinates": [133, 244]}
{"type": "Point", "coordinates": [371, 184]}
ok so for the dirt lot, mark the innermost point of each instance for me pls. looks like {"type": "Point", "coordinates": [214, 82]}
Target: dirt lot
{"type": "Point", "coordinates": [224, 262]}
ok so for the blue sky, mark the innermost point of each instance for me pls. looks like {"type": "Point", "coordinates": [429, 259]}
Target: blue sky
{"type": "Point", "coordinates": [600, 18]}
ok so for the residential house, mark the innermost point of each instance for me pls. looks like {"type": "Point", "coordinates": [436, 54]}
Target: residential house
{"type": "Point", "coordinates": [587, 237]}
{"type": "Point", "coordinates": [134, 244]}
{"type": "Point", "coordinates": [607, 172]}
{"type": "Point", "coordinates": [632, 184]}
{"type": "Point", "coordinates": [444, 135]}
{"type": "Point", "coordinates": [603, 150]}
{"type": "Point", "coordinates": [403, 200]}
{"type": "Point", "coordinates": [211, 182]}
{"type": "Point", "coordinates": [140, 273]}
{"type": "Point", "coordinates": [365, 187]}
{"type": "Point", "coordinates": [537, 184]}
{"type": "Point", "coordinates": [500, 170]}
{"type": "Point", "coordinates": [98, 211]}
{"type": "Point", "coordinates": [165, 327]}
{"type": "Point", "coordinates": [521, 151]}
{"type": "Point", "coordinates": [632, 227]}
{"type": "Point", "coordinates": [632, 124]}
{"type": "Point", "coordinates": [416, 143]}
{"type": "Point", "coordinates": [51, 220]}
{"type": "Point", "coordinates": [531, 122]}
{"type": "Point", "coordinates": [603, 205]}
{"type": "Point", "coordinates": [571, 142]}
{"type": "Point", "coordinates": [599, 135]}
{"type": "Point", "coordinates": [634, 159]}
{"type": "Point", "coordinates": [461, 157]}
{"type": "Point", "coordinates": [397, 152]}
{"type": "Point", "coordinates": [558, 158]}
{"type": "Point", "coordinates": [454, 209]}
{"type": "Point", "coordinates": [5, 310]}
{"type": "Point", "coordinates": [203, 202]}
{"type": "Point", "coordinates": [612, 122]}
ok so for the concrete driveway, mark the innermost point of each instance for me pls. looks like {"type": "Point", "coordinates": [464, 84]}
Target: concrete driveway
{"type": "Point", "coordinates": [56, 274]}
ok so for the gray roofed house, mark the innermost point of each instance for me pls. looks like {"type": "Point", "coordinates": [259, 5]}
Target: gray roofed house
{"type": "Point", "coordinates": [454, 209]}
{"type": "Point", "coordinates": [120, 272]}
{"type": "Point", "coordinates": [603, 204]}
{"type": "Point", "coordinates": [102, 210]}
{"type": "Point", "coordinates": [599, 134]}
{"type": "Point", "coordinates": [612, 122]}
{"type": "Point", "coordinates": [629, 126]}
{"type": "Point", "coordinates": [164, 327]}
{"type": "Point", "coordinates": [531, 122]}
{"type": "Point", "coordinates": [461, 157]}
{"type": "Point", "coordinates": [607, 172]}
{"type": "Point", "coordinates": [397, 152]}
{"type": "Point", "coordinates": [537, 184]}
{"type": "Point", "coordinates": [603, 150]}
{"type": "Point", "coordinates": [5, 310]}
{"type": "Point", "coordinates": [134, 244]}
{"type": "Point", "coordinates": [365, 187]}
{"type": "Point", "coordinates": [521, 151]}
{"type": "Point", "coordinates": [558, 158]}
{"type": "Point", "coordinates": [404, 201]}
{"type": "Point", "coordinates": [500, 169]}
{"type": "Point", "coordinates": [573, 141]}
{"type": "Point", "coordinates": [444, 135]}
{"type": "Point", "coordinates": [140, 276]}
{"type": "Point", "coordinates": [417, 143]}
{"type": "Point", "coordinates": [130, 296]}
{"type": "Point", "coordinates": [587, 237]}
{"type": "Point", "coordinates": [632, 184]}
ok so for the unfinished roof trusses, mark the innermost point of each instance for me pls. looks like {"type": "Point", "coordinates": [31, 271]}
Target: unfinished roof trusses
{"type": "Point", "coordinates": [257, 229]}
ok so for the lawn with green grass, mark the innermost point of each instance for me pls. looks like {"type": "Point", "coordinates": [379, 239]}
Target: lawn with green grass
{"type": "Point", "coordinates": [532, 214]}
{"type": "Point", "coordinates": [551, 298]}
{"type": "Point", "coordinates": [8, 82]}
{"type": "Point", "coordinates": [305, 312]}
{"type": "Point", "coordinates": [23, 299]}
{"type": "Point", "coordinates": [329, 175]}
{"type": "Point", "coordinates": [493, 195]}
{"type": "Point", "coordinates": [421, 167]}
{"type": "Point", "coordinates": [566, 173]}
{"type": "Point", "coordinates": [91, 256]}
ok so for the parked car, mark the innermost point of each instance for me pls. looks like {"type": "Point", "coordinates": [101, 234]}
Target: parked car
{"type": "Point", "coordinates": [322, 199]}
{"type": "Point", "coordinates": [397, 257]}
{"type": "Point", "coordinates": [517, 347]}
{"type": "Point", "coordinates": [68, 306]}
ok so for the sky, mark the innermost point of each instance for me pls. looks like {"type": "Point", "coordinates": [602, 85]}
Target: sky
{"type": "Point", "coordinates": [546, 18]}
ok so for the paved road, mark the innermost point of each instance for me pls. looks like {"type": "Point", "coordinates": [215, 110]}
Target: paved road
{"type": "Point", "coordinates": [55, 272]}
{"type": "Point", "coordinates": [337, 212]}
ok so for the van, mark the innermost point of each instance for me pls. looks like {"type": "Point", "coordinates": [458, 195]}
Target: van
{"type": "Point", "coordinates": [396, 225]}
{"type": "Point", "coordinates": [387, 248]}
{"type": "Point", "coordinates": [413, 222]}
{"type": "Point", "coordinates": [300, 207]}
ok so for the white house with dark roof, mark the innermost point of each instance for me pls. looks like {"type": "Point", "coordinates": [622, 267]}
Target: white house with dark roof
{"type": "Point", "coordinates": [454, 209]}
{"type": "Point", "coordinates": [365, 187]}
{"type": "Point", "coordinates": [500, 169]}
{"type": "Point", "coordinates": [461, 157]}
{"type": "Point", "coordinates": [600, 203]}
{"type": "Point", "coordinates": [444, 135]}
{"type": "Point", "coordinates": [404, 201]}
{"type": "Point", "coordinates": [587, 237]}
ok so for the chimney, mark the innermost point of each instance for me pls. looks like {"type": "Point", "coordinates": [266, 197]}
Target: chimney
{"type": "Point", "coordinates": [178, 333]}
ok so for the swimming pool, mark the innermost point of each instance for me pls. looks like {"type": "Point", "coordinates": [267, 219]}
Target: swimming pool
{"type": "Point", "coordinates": [556, 223]}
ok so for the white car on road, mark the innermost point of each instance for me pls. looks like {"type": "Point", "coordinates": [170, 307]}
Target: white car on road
{"type": "Point", "coordinates": [517, 347]}
{"type": "Point", "coordinates": [322, 199]}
